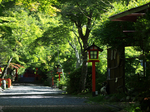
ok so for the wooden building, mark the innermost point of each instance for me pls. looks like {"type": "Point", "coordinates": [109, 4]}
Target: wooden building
{"type": "Point", "coordinates": [116, 57]}
{"type": "Point", "coordinates": [116, 73]}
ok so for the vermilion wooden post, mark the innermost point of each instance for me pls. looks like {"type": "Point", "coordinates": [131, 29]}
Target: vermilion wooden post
{"type": "Point", "coordinates": [0, 70]}
{"type": "Point", "coordinates": [59, 71]}
{"type": "Point", "coordinates": [9, 82]}
{"type": "Point", "coordinates": [16, 74]}
{"type": "Point", "coordinates": [59, 76]}
{"type": "Point", "coordinates": [52, 81]}
{"type": "Point", "coordinates": [0, 81]}
{"type": "Point", "coordinates": [93, 52]}
{"type": "Point", "coordinates": [93, 78]}
{"type": "Point", "coordinates": [36, 75]}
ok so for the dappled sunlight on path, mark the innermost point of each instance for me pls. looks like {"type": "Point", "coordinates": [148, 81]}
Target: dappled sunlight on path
{"type": "Point", "coordinates": [30, 94]}
{"type": "Point", "coordinates": [31, 98]}
{"type": "Point", "coordinates": [30, 89]}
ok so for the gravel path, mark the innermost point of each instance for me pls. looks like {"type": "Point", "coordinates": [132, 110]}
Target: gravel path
{"type": "Point", "coordinates": [31, 98]}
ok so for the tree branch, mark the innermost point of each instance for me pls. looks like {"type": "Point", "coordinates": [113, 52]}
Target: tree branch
{"type": "Point", "coordinates": [77, 38]}
{"type": "Point", "coordinates": [83, 11]}
{"type": "Point", "coordinates": [88, 28]}
{"type": "Point", "coordinates": [5, 70]}
{"type": "Point", "coordinates": [106, 3]}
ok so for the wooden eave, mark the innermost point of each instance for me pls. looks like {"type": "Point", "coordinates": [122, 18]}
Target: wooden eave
{"type": "Point", "coordinates": [131, 14]}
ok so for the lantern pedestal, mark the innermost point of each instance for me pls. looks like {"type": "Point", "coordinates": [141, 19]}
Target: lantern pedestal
{"type": "Point", "coordinates": [59, 71]}
{"type": "Point", "coordinates": [52, 81]}
{"type": "Point", "coordinates": [16, 74]}
{"type": "Point", "coordinates": [93, 76]}
{"type": "Point", "coordinates": [93, 52]}
{"type": "Point", "coordinates": [59, 74]}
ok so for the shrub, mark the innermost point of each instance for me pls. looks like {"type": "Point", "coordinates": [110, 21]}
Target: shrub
{"type": "Point", "coordinates": [73, 82]}
{"type": "Point", "coordinates": [62, 83]}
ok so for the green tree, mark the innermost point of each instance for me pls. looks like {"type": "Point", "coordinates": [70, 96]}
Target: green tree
{"type": "Point", "coordinates": [16, 33]}
{"type": "Point", "coordinates": [110, 33]}
{"type": "Point", "coordinates": [44, 6]}
{"type": "Point", "coordinates": [83, 15]}
{"type": "Point", "coordinates": [142, 37]}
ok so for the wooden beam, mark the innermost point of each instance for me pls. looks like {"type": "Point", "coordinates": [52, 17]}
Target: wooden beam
{"type": "Point", "coordinates": [130, 11]}
{"type": "Point", "coordinates": [130, 31]}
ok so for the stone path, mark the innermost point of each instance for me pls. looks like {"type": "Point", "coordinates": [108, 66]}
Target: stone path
{"type": "Point", "coordinates": [23, 89]}
{"type": "Point", "coordinates": [31, 98]}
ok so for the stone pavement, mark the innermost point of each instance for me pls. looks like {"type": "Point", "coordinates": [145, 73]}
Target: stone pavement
{"type": "Point", "coordinates": [30, 98]}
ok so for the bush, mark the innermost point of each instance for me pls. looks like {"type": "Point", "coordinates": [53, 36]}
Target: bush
{"type": "Point", "coordinates": [47, 82]}
{"type": "Point", "coordinates": [73, 82]}
{"type": "Point", "coordinates": [62, 83]}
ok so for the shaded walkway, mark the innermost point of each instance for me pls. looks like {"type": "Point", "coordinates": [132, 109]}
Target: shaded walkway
{"type": "Point", "coordinates": [30, 89]}
{"type": "Point", "coordinates": [31, 98]}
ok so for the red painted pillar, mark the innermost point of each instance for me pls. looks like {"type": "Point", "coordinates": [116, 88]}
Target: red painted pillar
{"type": "Point", "coordinates": [9, 82]}
{"type": "Point", "coordinates": [36, 75]}
{"type": "Point", "coordinates": [0, 81]}
{"type": "Point", "coordinates": [52, 81]}
{"type": "Point", "coordinates": [59, 76]}
{"type": "Point", "coordinates": [0, 70]}
{"type": "Point", "coordinates": [17, 74]}
{"type": "Point", "coordinates": [93, 78]}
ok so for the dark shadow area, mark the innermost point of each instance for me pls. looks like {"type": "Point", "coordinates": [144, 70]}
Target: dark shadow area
{"type": "Point", "coordinates": [57, 109]}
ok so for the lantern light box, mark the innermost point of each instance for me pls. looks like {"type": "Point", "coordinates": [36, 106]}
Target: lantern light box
{"type": "Point", "coordinates": [59, 70]}
{"type": "Point", "coordinates": [93, 52]}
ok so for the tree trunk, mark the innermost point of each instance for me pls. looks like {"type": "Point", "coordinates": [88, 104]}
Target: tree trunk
{"type": "Point", "coordinates": [4, 74]}
{"type": "Point", "coordinates": [78, 63]}
{"type": "Point", "coordinates": [84, 39]}
{"type": "Point", "coordinates": [84, 66]}
{"type": "Point", "coordinates": [84, 72]}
